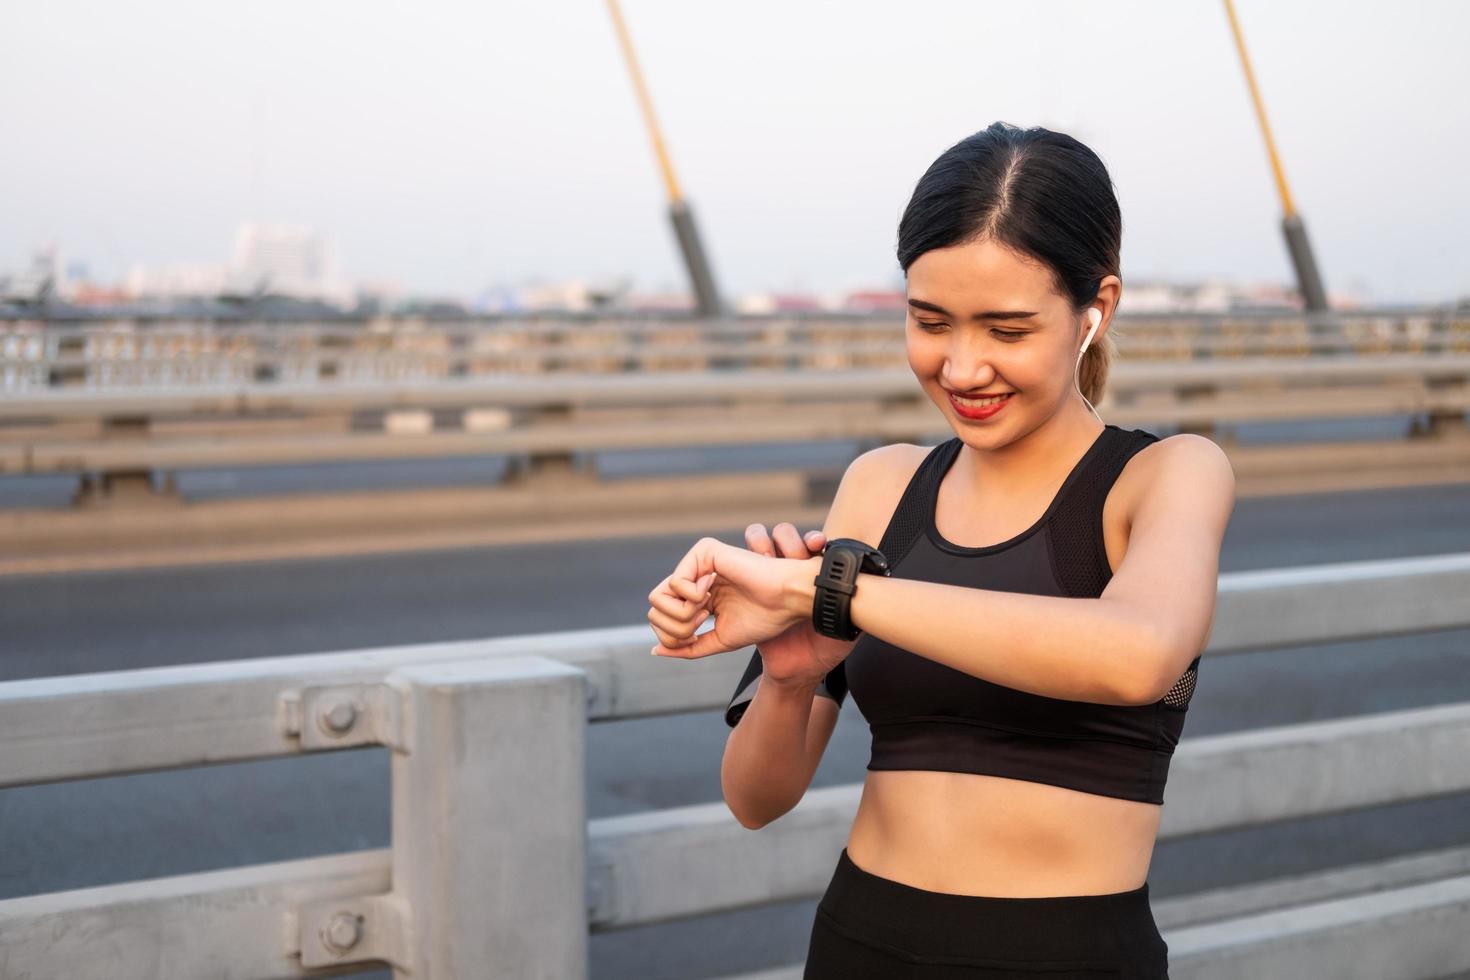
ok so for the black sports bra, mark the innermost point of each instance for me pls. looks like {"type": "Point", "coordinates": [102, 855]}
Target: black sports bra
{"type": "Point", "coordinates": [924, 715]}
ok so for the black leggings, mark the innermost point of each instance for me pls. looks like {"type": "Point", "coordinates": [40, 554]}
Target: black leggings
{"type": "Point", "coordinates": [872, 928]}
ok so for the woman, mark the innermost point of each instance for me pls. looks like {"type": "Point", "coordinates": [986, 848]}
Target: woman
{"type": "Point", "coordinates": [1026, 663]}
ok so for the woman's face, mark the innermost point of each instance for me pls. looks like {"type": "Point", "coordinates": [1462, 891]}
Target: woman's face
{"type": "Point", "coordinates": [983, 320]}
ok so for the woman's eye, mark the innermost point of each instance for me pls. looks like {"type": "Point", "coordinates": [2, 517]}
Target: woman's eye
{"type": "Point", "coordinates": [1010, 336]}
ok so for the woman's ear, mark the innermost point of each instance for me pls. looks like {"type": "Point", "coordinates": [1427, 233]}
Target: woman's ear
{"type": "Point", "coordinates": [1106, 301]}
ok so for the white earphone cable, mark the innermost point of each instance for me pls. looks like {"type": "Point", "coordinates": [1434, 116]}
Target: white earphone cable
{"type": "Point", "coordinates": [1095, 315]}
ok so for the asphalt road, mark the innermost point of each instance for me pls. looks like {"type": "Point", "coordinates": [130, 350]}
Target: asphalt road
{"type": "Point", "coordinates": [101, 831]}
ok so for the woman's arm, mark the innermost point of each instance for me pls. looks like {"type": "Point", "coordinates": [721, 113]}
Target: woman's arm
{"type": "Point", "coordinates": [773, 753]}
{"type": "Point", "coordinates": [1126, 647]}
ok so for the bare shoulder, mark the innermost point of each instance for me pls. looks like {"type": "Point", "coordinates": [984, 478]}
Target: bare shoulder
{"type": "Point", "coordinates": [870, 490]}
{"type": "Point", "coordinates": [1201, 458]}
{"type": "Point", "coordinates": [1182, 463]}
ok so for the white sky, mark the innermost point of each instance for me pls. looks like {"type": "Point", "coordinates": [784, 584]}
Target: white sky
{"type": "Point", "coordinates": [448, 146]}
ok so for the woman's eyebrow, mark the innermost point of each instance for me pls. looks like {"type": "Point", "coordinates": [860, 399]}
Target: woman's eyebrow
{"type": "Point", "coordinates": [991, 315]}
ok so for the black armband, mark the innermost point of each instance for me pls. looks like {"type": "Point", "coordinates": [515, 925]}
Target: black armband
{"type": "Point", "coordinates": [833, 686]}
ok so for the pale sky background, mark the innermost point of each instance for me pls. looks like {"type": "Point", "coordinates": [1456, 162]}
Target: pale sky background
{"type": "Point", "coordinates": [450, 146]}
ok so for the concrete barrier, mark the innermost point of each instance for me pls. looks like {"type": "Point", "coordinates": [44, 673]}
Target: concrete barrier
{"type": "Point", "coordinates": [495, 871]}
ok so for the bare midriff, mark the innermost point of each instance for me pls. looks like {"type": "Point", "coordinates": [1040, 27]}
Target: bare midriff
{"type": "Point", "coordinates": [968, 834]}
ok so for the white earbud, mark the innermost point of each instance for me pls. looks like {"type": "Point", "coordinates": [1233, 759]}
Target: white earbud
{"type": "Point", "coordinates": [1094, 316]}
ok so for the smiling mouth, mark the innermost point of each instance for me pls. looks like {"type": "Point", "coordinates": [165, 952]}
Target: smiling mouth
{"type": "Point", "coordinates": [980, 402]}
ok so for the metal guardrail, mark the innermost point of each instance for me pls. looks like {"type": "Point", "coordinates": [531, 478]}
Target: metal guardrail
{"type": "Point", "coordinates": [119, 440]}
{"type": "Point", "coordinates": [124, 448]}
{"type": "Point", "coordinates": [148, 353]}
{"type": "Point", "coordinates": [123, 403]}
{"type": "Point", "coordinates": [494, 869]}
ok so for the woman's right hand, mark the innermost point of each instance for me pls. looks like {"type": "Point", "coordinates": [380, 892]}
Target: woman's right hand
{"type": "Point", "coordinates": [800, 654]}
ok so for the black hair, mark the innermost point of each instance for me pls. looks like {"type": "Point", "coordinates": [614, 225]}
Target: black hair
{"type": "Point", "coordinates": [1037, 192]}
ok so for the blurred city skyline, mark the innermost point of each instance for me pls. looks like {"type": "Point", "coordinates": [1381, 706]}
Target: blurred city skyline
{"type": "Point", "coordinates": [291, 270]}
{"type": "Point", "coordinates": [456, 150]}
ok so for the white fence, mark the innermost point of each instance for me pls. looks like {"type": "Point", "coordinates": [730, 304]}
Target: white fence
{"type": "Point", "coordinates": [495, 871]}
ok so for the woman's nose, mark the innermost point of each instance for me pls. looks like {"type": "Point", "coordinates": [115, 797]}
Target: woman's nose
{"type": "Point", "coordinates": [968, 375]}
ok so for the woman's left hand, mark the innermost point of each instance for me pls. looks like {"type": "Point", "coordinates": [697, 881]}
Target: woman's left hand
{"type": "Point", "coordinates": [751, 597]}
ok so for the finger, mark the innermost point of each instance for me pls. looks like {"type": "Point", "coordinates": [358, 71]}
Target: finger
{"type": "Point", "coordinates": [673, 632]}
{"type": "Point", "coordinates": [671, 646]}
{"type": "Point", "coordinates": [677, 644]}
{"type": "Point", "coordinates": [695, 592]}
{"type": "Point", "coordinates": [704, 645]}
{"type": "Point", "coordinates": [665, 639]}
{"type": "Point", "coordinates": [688, 591]}
{"type": "Point", "coordinates": [666, 587]}
{"type": "Point", "coordinates": [678, 606]}
{"type": "Point", "coordinates": [789, 540]}
{"type": "Point", "coordinates": [662, 588]}
{"type": "Point", "coordinates": [680, 626]}
{"type": "Point", "coordinates": [700, 559]}
{"type": "Point", "coordinates": [757, 540]}
{"type": "Point", "coordinates": [662, 635]}
{"type": "Point", "coordinates": [816, 541]}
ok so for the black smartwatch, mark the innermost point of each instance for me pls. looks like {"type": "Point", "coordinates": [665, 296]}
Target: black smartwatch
{"type": "Point", "coordinates": [842, 560]}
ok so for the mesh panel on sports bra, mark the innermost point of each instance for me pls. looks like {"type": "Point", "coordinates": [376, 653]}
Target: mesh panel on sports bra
{"type": "Point", "coordinates": [1079, 553]}
{"type": "Point", "coordinates": [1183, 689]}
{"type": "Point", "coordinates": [912, 514]}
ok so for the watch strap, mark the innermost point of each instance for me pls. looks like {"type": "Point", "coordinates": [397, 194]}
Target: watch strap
{"type": "Point", "coordinates": [843, 560]}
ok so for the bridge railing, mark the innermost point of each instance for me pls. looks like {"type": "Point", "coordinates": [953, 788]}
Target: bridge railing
{"type": "Point", "coordinates": [494, 869]}
{"type": "Point", "coordinates": [549, 420]}
{"type": "Point", "coordinates": [110, 355]}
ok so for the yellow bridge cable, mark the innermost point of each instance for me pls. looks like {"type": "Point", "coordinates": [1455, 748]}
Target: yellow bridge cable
{"type": "Point", "coordinates": [645, 103]}
{"type": "Point", "coordinates": [1250, 78]}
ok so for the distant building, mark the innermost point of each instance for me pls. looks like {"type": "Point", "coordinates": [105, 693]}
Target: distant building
{"type": "Point", "coordinates": [287, 260]}
{"type": "Point", "coordinates": [671, 302]}
{"type": "Point", "coordinates": [1209, 296]}
{"type": "Point", "coordinates": [99, 294]}
{"type": "Point", "coordinates": [876, 301]}
{"type": "Point", "coordinates": [43, 280]}
{"type": "Point", "coordinates": [757, 304]}
{"type": "Point", "coordinates": [176, 281]}
{"type": "Point", "coordinates": [292, 262]}
{"type": "Point", "coordinates": [570, 296]}
{"type": "Point", "coordinates": [498, 299]}
{"type": "Point", "coordinates": [377, 296]}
